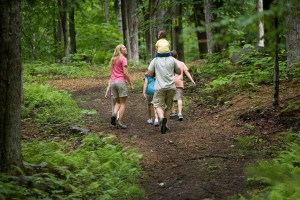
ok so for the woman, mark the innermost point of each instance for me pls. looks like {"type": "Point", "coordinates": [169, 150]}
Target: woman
{"type": "Point", "coordinates": [118, 84]}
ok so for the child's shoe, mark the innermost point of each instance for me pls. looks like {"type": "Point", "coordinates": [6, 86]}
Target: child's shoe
{"type": "Point", "coordinates": [156, 123]}
{"type": "Point", "coordinates": [173, 114]}
{"type": "Point", "coordinates": [149, 121]}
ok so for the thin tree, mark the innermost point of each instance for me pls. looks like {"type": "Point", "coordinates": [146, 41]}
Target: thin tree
{"type": "Point", "coordinates": [158, 21]}
{"type": "Point", "coordinates": [10, 86]}
{"type": "Point", "coordinates": [125, 28]}
{"type": "Point", "coordinates": [133, 29]}
{"type": "Point", "coordinates": [72, 29]}
{"type": "Point", "coordinates": [292, 30]}
{"type": "Point", "coordinates": [261, 30]}
{"type": "Point", "coordinates": [62, 5]}
{"type": "Point", "coordinates": [208, 4]}
{"type": "Point", "coordinates": [210, 18]}
{"type": "Point", "coordinates": [106, 10]}
{"type": "Point", "coordinates": [120, 25]}
{"type": "Point", "coordinates": [198, 8]}
{"type": "Point", "coordinates": [276, 65]}
{"type": "Point", "coordinates": [177, 37]}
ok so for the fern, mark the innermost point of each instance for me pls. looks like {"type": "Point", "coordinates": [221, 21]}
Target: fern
{"type": "Point", "coordinates": [281, 175]}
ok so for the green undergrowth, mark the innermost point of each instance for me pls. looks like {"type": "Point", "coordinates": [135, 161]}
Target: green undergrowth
{"type": "Point", "coordinates": [44, 71]}
{"type": "Point", "coordinates": [221, 78]}
{"type": "Point", "coordinates": [277, 178]}
{"type": "Point", "coordinates": [90, 167]}
{"type": "Point", "coordinates": [51, 110]}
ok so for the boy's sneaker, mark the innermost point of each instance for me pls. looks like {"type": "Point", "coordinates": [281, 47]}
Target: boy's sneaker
{"type": "Point", "coordinates": [149, 121]}
{"type": "Point", "coordinates": [163, 128]}
{"type": "Point", "coordinates": [121, 126]}
{"type": "Point", "coordinates": [173, 114]}
{"type": "Point", "coordinates": [156, 123]}
{"type": "Point", "coordinates": [113, 120]}
{"type": "Point", "coordinates": [180, 117]}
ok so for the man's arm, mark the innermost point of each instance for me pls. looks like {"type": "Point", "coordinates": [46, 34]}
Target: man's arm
{"type": "Point", "coordinates": [177, 69]}
{"type": "Point", "coordinates": [151, 69]}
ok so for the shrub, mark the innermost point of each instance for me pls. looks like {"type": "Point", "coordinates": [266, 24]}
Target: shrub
{"type": "Point", "coordinates": [98, 168]}
{"type": "Point", "coordinates": [49, 108]}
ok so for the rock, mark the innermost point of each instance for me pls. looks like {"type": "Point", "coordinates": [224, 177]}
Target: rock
{"type": "Point", "coordinates": [78, 130]}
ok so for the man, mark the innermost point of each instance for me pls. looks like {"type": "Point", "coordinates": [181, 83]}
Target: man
{"type": "Point", "coordinates": [164, 69]}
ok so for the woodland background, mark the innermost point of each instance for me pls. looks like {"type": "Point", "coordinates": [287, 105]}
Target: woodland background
{"type": "Point", "coordinates": [231, 46]}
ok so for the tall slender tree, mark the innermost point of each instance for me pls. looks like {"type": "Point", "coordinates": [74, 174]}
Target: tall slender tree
{"type": "Point", "coordinates": [62, 5]}
{"type": "Point", "coordinates": [209, 6]}
{"type": "Point", "coordinates": [292, 29]}
{"type": "Point", "coordinates": [177, 37]}
{"type": "Point", "coordinates": [72, 29]}
{"type": "Point", "coordinates": [133, 29]}
{"type": "Point", "coordinates": [158, 21]}
{"type": "Point", "coordinates": [126, 38]}
{"type": "Point", "coordinates": [10, 86]}
{"type": "Point", "coordinates": [261, 30]}
{"type": "Point", "coordinates": [106, 10]}
{"type": "Point", "coordinates": [198, 8]}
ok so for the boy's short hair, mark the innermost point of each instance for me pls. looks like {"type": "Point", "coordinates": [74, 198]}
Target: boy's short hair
{"type": "Point", "coordinates": [174, 54]}
{"type": "Point", "coordinates": [162, 34]}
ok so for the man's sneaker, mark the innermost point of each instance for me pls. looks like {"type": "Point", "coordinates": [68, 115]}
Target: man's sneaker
{"type": "Point", "coordinates": [180, 117]}
{"type": "Point", "coordinates": [113, 120]}
{"type": "Point", "coordinates": [163, 128]}
{"type": "Point", "coordinates": [156, 123]}
{"type": "Point", "coordinates": [173, 114]}
{"type": "Point", "coordinates": [121, 126]}
{"type": "Point", "coordinates": [149, 121]}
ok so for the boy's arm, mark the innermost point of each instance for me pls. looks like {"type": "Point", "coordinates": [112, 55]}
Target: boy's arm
{"type": "Point", "coordinates": [107, 90]}
{"type": "Point", "coordinates": [145, 87]}
{"type": "Point", "coordinates": [187, 73]}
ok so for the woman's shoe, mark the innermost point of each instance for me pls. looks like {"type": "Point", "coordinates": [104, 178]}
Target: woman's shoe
{"type": "Point", "coordinates": [113, 120]}
{"type": "Point", "coordinates": [121, 126]}
{"type": "Point", "coordinates": [180, 117]}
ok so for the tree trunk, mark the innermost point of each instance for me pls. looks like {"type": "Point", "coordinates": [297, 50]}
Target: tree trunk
{"type": "Point", "coordinates": [157, 22]}
{"type": "Point", "coordinates": [177, 38]}
{"type": "Point", "coordinates": [292, 28]}
{"type": "Point", "coordinates": [72, 30]}
{"type": "Point", "coordinates": [63, 16]}
{"type": "Point", "coordinates": [212, 46]}
{"type": "Point", "coordinates": [208, 22]}
{"type": "Point", "coordinates": [276, 66]}
{"type": "Point", "coordinates": [120, 22]}
{"type": "Point", "coordinates": [106, 10]}
{"type": "Point", "coordinates": [133, 29]}
{"type": "Point", "coordinates": [146, 15]}
{"type": "Point", "coordinates": [10, 86]}
{"type": "Point", "coordinates": [261, 31]}
{"type": "Point", "coordinates": [125, 28]}
{"type": "Point", "coordinates": [201, 36]}
{"type": "Point", "coordinates": [152, 36]}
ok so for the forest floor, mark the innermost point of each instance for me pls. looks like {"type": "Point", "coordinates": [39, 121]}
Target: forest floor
{"type": "Point", "coordinates": [200, 157]}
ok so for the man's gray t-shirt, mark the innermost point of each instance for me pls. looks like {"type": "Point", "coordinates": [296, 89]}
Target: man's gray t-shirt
{"type": "Point", "coordinates": [164, 69]}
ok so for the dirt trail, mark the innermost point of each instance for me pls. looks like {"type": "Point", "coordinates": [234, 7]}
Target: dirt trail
{"type": "Point", "coordinates": [196, 160]}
